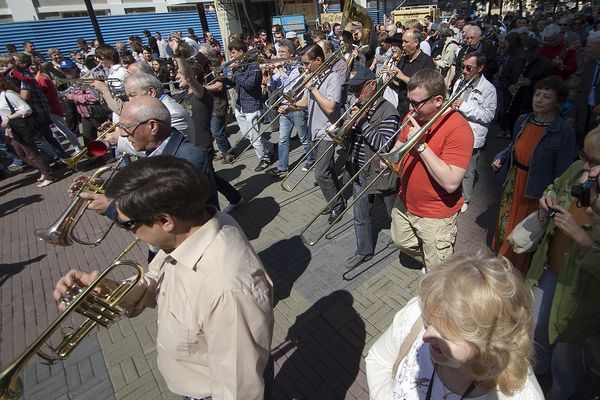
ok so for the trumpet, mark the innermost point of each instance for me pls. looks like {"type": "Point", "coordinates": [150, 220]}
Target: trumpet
{"type": "Point", "coordinates": [86, 81]}
{"type": "Point", "coordinates": [95, 148]}
{"type": "Point", "coordinates": [98, 309]}
{"type": "Point", "coordinates": [61, 232]}
{"type": "Point", "coordinates": [218, 73]}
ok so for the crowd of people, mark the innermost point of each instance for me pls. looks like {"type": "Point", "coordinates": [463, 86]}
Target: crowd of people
{"type": "Point", "coordinates": [481, 326]}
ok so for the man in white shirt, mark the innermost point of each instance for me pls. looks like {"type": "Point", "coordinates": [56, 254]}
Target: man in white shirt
{"type": "Point", "coordinates": [162, 45]}
{"type": "Point", "coordinates": [478, 105]}
{"type": "Point", "coordinates": [213, 295]}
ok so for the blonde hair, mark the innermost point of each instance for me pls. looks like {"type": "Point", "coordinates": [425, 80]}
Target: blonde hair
{"type": "Point", "coordinates": [591, 143]}
{"type": "Point", "coordinates": [483, 301]}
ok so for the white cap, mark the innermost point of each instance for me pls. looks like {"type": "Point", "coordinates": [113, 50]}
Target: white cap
{"type": "Point", "coordinates": [291, 35]}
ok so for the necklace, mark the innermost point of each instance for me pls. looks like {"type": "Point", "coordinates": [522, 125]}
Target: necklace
{"type": "Point", "coordinates": [540, 123]}
{"type": "Point", "coordinates": [470, 388]}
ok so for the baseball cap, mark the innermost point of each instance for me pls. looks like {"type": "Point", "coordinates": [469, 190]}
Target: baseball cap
{"type": "Point", "coordinates": [67, 64]}
{"type": "Point", "coordinates": [360, 75]}
{"type": "Point", "coordinates": [434, 27]}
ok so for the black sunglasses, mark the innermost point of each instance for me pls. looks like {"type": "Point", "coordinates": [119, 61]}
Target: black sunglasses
{"type": "Point", "coordinates": [126, 225]}
{"type": "Point", "coordinates": [418, 104]}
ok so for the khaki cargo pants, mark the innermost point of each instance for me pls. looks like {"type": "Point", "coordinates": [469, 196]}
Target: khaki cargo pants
{"type": "Point", "coordinates": [429, 240]}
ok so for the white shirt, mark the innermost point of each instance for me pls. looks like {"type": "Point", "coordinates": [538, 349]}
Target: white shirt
{"type": "Point", "coordinates": [116, 75]}
{"type": "Point", "coordinates": [425, 47]}
{"type": "Point", "coordinates": [16, 101]}
{"type": "Point", "coordinates": [415, 370]}
{"type": "Point", "coordinates": [180, 118]}
{"type": "Point", "coordinates": [479, 107]}
{"type": "Point", "coordinates": [162, 48]}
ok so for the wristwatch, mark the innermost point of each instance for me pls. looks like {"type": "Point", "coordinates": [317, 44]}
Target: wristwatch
{"type": "Point", "coordinates": [422, 147]}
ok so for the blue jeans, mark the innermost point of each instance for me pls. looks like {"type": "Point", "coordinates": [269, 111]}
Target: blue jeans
{"type": "Point", "coordinates": [286, 123]}
{"type": "Point", "coordinates": [217, 127]}
{"type": "Point", "coordinates": [8, 150]}
{"type": "Point", "coordinates": [362, 217]}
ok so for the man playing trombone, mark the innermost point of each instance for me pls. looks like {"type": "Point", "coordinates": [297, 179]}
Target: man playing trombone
{"type": "Point", "coordinates": [283, 78]}
{"type": "Point", "coordinates": [370, 135]}
{"type": "Point", "coordinates": [213, 295]}
{"type": "Point", "coordinates": [429, 199]}
{"type": "Point", "coordinates": [322, 100]}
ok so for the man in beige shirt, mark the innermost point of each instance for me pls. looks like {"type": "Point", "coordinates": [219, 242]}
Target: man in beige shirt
{"type": "Point", "coordinates": [214, 298]}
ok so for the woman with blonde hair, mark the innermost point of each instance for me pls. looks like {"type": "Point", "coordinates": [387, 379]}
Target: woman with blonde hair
{"type": "Point", "coordinates": [466, 335]}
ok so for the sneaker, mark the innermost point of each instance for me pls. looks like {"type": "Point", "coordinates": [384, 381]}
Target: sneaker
{"type": "Point", "coordinates": [231, 206]}
{"type": "Point", "coordinates": [15, 167]}
{"type": "Point", "coordinates": [307, 166]}
{"type": "Point", "coordinates": [45, 183]}
{"type": "Point", "coordinates": [228, 159]}
{"type": "Point", "coordinates": [277, 173]}
{"type": "Point", "coordinates": [219, 157]}
{"type": "Point", "coordinates": [264, 164]}
{"type": "Point", "coordinates": [464, 207]}
{"type": "Point", "coordinates": [42, 178]}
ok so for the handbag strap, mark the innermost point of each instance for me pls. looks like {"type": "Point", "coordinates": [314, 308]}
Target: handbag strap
{"type": "Point", "coordinates": [12, 109]}
{"type": "Point", "coordinates": [407, 344]}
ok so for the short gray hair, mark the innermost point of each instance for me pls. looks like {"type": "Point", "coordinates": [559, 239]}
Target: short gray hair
{"type": "Point", "coordinates": [142, 67]}
{"type": "Point", "coordinates": [475, 30]}
{"type": "Point", "coordinates": [288, 44]}
{"type": "Point", "coordinates": [551, 30]}
{"type": "Point", "coordinates": [157, 111]}
{"type": "Point", "coordinates": [143, 82]}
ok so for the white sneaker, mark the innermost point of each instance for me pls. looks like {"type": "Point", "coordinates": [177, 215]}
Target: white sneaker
{"type": "Point", "coordinates": [230, 207]}
{"type": "Point", "coordinates": [464, 207]}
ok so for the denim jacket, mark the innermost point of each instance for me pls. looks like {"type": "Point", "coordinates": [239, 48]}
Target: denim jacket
{"type": "Point", "coordinates": [554, 153]}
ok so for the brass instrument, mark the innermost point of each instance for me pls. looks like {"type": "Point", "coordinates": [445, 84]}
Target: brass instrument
{"type": "Point", "coordinates": [290, 95]}
{"type": "Point", "coordinates": [396, 156]}
{"type": "Point", "coordinates": [188, 49]}
{"type": "Point", "coordinates": [98, 309]}
{"type": "Point", "coordinates": [312, 242]}
{"type": "Point", "coordinates": [60, 233]}
{"type": "Point", "coordinates": [219, 72]}
{"type": "Point", "coordinates": [354, 12]}
{"type": "Point", "coordinates": [93, 148]}
{"type": "Point", "coordinates": [86, 81]}
{"type": "Point", "coordinates": [271, 64]}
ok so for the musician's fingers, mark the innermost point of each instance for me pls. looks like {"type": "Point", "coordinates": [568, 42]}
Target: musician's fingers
{"type": "Point", "coordinates": [413, 122]}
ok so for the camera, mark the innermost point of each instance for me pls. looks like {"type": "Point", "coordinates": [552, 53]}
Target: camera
{"type": "Point", "coordinates": [583, 192]}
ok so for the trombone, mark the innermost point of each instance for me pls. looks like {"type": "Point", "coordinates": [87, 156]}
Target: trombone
{"type": "Point", "coordinates": [98, 309]}
{"type": "Point", "coordinates": [336, 133]}
{"type": "Point", "coordinates": [96, 148]}
{"type": "Point", "coordinates": [61, 232]}
{"type": "Point", "coordinates": [291, 95]}
{"type": "Point", "coordinates": [393, 157]}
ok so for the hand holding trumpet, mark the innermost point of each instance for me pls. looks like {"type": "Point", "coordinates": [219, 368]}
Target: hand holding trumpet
{"type": "Point", "coordinates": [79, 279]}
{"type": "Point", "coordinates": [98, 201]}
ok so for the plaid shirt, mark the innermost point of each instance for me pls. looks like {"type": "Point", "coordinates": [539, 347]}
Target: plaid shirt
{"type": "Point", "coordinates": [247, 81]}
{"type": "Point", "coordinates": [37, 100]}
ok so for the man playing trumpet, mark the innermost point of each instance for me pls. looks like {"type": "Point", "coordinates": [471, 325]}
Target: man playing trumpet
{"type": "Point", "coordinates": [213, 295]}
{"type": "Point", "coordinates": [429, 199]}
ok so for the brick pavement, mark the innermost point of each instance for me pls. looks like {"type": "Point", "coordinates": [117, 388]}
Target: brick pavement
{"type": "Point", "coordinates": [325, 319]}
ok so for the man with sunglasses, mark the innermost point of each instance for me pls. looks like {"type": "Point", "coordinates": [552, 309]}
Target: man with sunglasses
{"type": "Point", "coordinates": [478, 105]}
{"type": "Point", "coordinates": [213, 297]}
{"type": "Point", "coordinates": [372, 133]}
{"type": "Point", "coordinates": [429, 199]}
{"type": "Point", "coordinates": [322, 100]}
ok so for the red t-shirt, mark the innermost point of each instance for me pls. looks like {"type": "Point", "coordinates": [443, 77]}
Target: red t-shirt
{"type": "Point", "coordinates": [50, 92]}
{"type": "Point", "coordinates": [451, 139]}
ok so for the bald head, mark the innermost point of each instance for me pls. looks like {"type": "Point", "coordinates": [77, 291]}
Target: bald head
{"type": "Point", "coordinates": [144, 108]}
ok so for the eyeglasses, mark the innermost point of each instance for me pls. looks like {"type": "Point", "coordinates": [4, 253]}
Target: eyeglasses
{"type": "Point", "coordinates": [467, 68]}
{"type": "Point", "coordinates": [562, 24]}
{"type": "Point", "coordinates": [126, 225]}
{"type": "Point", "coordinates": [418, 104]}
{"type": "Point", "coordinates": [131, 131]}
{"type": "Point", "coordinates": [356, 89]}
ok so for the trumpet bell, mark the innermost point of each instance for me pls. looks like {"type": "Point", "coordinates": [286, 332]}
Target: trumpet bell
{"type": "Point", "coordinates": [189, 49]}
{"type": "Point", "coordinates": [98, 148]}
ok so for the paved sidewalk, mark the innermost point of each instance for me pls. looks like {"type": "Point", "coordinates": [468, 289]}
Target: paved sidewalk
{"type": "Point", "coordinates": [326, 319]}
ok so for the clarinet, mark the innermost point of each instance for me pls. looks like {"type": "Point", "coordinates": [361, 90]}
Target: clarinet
{"type": "Point", "coordinates": [512, 99]}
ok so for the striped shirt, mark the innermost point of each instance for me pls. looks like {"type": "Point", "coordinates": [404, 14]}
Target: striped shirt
{"type": "Point", "coordinates": [373, 135]}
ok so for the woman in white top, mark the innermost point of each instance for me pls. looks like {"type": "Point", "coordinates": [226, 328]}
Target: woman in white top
{"type": "Point", "coordinates": [466, 335]}
{"type": "Point", "coordinates": [12, 106]}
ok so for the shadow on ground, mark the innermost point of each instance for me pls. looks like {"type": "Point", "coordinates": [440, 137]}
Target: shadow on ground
{"type": "Point", "coordinates": [321, 355]}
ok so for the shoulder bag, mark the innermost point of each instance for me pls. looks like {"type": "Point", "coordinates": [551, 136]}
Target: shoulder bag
{"type": "Point", "coordinates": [526, 235]}
{"type": "Point", "coordinates": [24, 129]}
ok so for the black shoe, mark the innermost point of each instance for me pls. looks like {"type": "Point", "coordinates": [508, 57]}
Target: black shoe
{"type": "Point", "coordinates": [264, 164]}
{"type": "Point", "coordinates": [307, 166]}
{"type": "Point", "coordinates": [334, 214]}
{"type": "Point", "coordinates": [277, 173]}
{"type": "Point", "coordinates": [355, 261]}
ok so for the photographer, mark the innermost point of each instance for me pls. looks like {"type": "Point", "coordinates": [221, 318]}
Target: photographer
{"type": "Point", "coordinates": [564, 272]}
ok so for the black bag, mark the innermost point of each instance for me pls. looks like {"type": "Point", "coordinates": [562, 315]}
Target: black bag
{"type": "Point", "coordinates": [24, 129]}
{"type": "Point", "coordinates": [99, 111]}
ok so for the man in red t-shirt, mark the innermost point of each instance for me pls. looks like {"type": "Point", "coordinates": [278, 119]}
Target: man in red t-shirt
{"type": "Point", "coordinates": [430, 197]}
